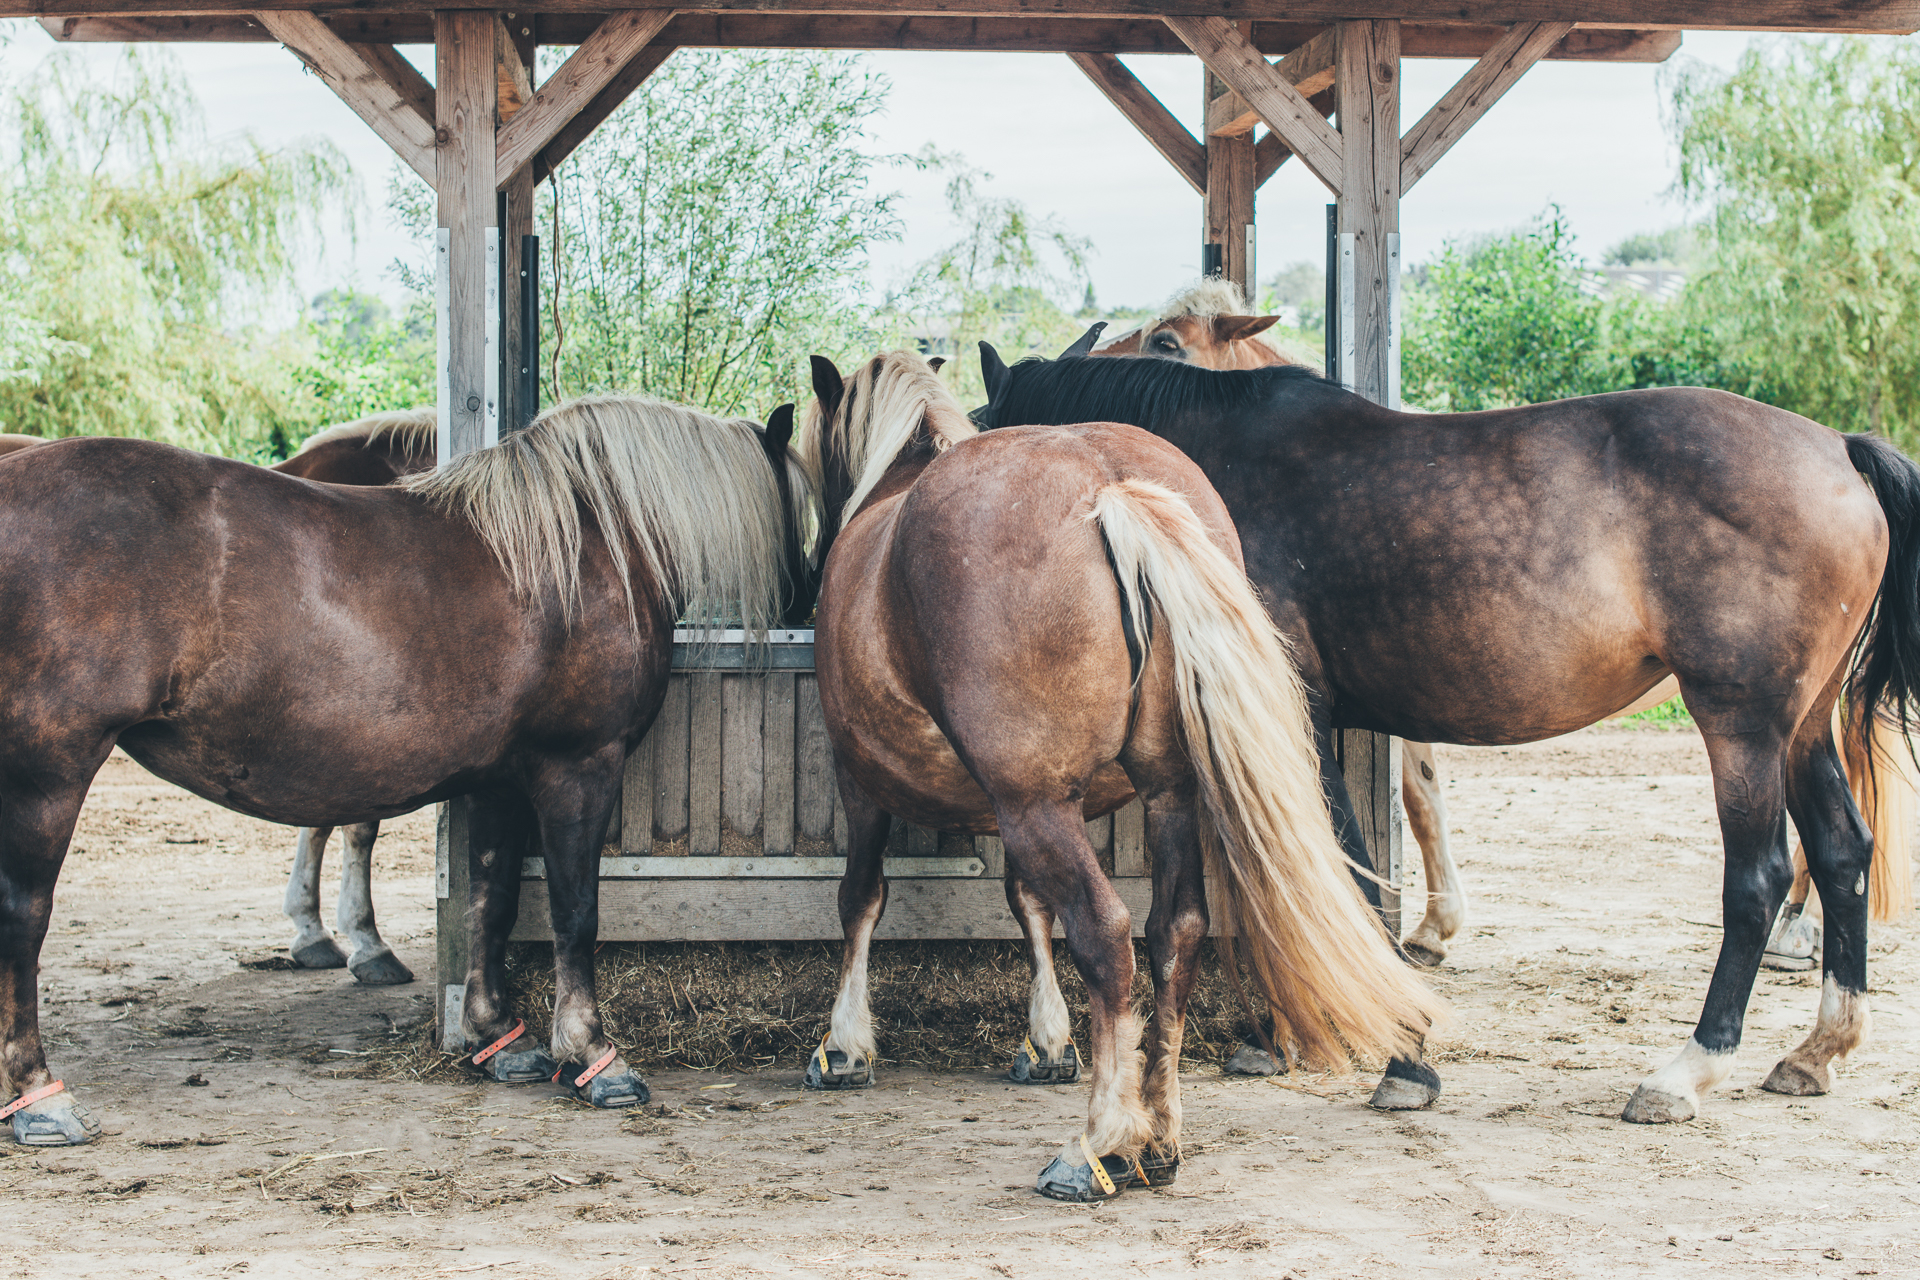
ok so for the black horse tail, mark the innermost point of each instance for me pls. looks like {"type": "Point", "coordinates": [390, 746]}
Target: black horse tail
{"type": "Point", "coordinates": [1886, 677]}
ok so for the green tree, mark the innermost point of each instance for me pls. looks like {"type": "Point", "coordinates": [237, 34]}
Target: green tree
{"type": "Point", "coordinates": [140, 261]}
{"type": "Point", "coordinates": [1806, 159]}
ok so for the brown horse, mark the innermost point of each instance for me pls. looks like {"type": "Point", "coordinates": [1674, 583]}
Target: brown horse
{"type": "Point", "coordinates": [1019, 631]}
{"type": "Point", "coordinates": [1204, 324]}
{"type": "Point", "coordinates": [501, 629]}
{"type": "Point", "coordinates": [10, 443]}
{"type": "Point", "coordinates": [1566, 557]}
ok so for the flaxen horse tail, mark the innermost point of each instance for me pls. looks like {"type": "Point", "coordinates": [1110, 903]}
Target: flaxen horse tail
{"type": "Point", "coordinates": [1318, 954]}
{"type": "Point", "coordinates": [1885, 685]}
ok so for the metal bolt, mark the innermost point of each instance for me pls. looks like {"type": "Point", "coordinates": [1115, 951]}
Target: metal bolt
{"type": "Point", "coordinates": [473, 404]}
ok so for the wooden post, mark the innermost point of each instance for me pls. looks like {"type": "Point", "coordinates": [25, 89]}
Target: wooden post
{"type": "Point", "coordinates": [1228, 199]}
{"type": "Point", "coordinates": [1367, 106]}
{"type": "Point", "coordinates": [467, 289]}
{"type": "Point", "coordinates": [515, 53]}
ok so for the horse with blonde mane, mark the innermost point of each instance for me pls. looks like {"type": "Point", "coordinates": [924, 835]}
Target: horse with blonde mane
{"type": "Point", "coordinates": [515, 653]}
{"type": "Point", "coordinates": [1206, 323]}
{"type": "Point", "coordinates": [1018, 631]}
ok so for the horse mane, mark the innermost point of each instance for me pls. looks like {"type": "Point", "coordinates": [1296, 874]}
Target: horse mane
{"type": "Point", "coordinates": [413, 430]}
{"type": "Point", "coordinates": [688, 494]}
{"type": "Point", "coordinates": [1205, 298]}
{"type": "Point", "coordinates": [881, 412]}
{"type": "Point", "coordinates": [1135, 391]}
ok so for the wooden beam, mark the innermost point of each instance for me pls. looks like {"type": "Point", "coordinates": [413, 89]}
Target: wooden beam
{"type": "Point", "coordinates": [594, 65]}
{"type": "Point", "coordinates": [1229, 55]}
{"type": "Point", "coordinates": [1270, 153]}
{"type": "Point", "coordinates": [401, 76]}
{"type": "Point", "coordinates": [1157, 124]}
{"type": "Point", "coordinates": [1894, 17]}
{"type": "Point", "coordinates": [515, 70]}
{"type": "Point", "coordinates": [819, 31]}
{"type": "Point", "coordinates": [1308, 69]}
{"type": "Point", "coordinates": [1461, 106]}
{"type": "Point", "coordinates": [604, 104]}
{"type": "Point", "coordinates": [1227, 210]}
{"type": "Point", "coordinates": [358, 84]}
{"type": "Point", "coordinates": [1367, 103]}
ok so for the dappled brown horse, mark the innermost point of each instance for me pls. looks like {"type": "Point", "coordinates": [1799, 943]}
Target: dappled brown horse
{"type": "Point", "coordinates": [1019, 631]}
{"type": "Point", "coordinates": [501, 628]}
{"type": "Point", "coordinates": [1567, 557]}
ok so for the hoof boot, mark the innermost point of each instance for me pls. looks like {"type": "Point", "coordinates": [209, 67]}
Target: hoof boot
{"type": "Point", "coordinates": [1030, 1068]}
{"type": "Point", "coordinates": [1795, 944]}
{"type": "Point", "coordinates": [1077, 1175]}
{"type": "Point", "coordinates": [1655, 1106]}
{"type": "Point", "coordinates": [832, 1069]}
{"type": "Point", "coordinates": [58, 1121]}
{"type": "Point", "coordinates": [1251, 1060]}
{"type": "Point", "coordinates": [522, 1066]}
{"type": "Point", "coordinates": [324, 954]}
{"type": "Point", "coordinates": [379, 969]}
{"type": "Point", "coordinates": [608, 1090]}
{"type": "Point", "coordinates": [1156, 1168]}
{"type": "Point", "coordinates": [1397, 1093]}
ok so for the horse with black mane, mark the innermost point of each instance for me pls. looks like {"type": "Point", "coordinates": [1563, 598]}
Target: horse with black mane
{"type": "Point", "coordinates": [320, 655]}
{"type": "Point", "coordinates": [1506, 576]}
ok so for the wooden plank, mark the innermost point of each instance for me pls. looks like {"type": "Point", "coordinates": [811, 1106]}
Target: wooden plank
{"type": "Point", "coordinates": [1368, 106]}
{"type": "Point", "coordinates": [1156, 124]}
{"type": "Point", "coordinates": [764, 868]}
{"type": "Point", "coordinates": [671, 736]}
{"type": "Point", "coordinates": [993, 854]}
{"type": "Point", "coordinates": [464, 102]}
{"type": "Point", "coordinates": [750, 910]}
{"type": "Point", "coordinates": [604, 104]}
{"type": "Point", "coordinates": [743, 703]}
{"type": "Point", "coordinates": [637, 790]}
{"type": "Point", "coordinates": [1130, 840]}
{"type": "Point", "coordinates": [1231, 56]}
{"type": "Point", "coordinates": [776, 805]}
{"type": "Point", "coordinates": [616, 820]}
{"type": "Point", "coordinates": [1463, 105]}
{"type": "Point", "coordinates": [386, 110]}
{"type": "Point", "coordinates": [1227, 208]}
{"type": "Point", "coordinates": [1370, 764]}
{"type": "Point", "coordinates": [920, 842]}
{"type": "Point", "coordinates": [401, 75]}
{"type": "Point", "coordinates": [1890, 17]}
{"type": "Point", "coordinates": [1100, 833]}
{"type": "Point", "coordinates": [708, 720]}
{"type": "Point", "coordinates": [600, 58]}
{"type": "Point", "coordinates": [815, 793]}
{"type": "Point", "coordinates": [1270, 152]}
{"type": "Point", "coordinates": [1308, 69]}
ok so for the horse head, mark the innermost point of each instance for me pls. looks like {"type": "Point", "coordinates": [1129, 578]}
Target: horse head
{"type": "Point", "coordinates": [797, 496]}
{"type": "Point", "coordinates": [1212, 342]}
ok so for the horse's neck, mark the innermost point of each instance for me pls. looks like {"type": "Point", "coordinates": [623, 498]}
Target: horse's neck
{"type": "Point", "coordinates": [1250, 353]}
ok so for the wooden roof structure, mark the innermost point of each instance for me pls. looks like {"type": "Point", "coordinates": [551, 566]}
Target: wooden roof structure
{"type": "Point", "coordinates": [1322, 77]}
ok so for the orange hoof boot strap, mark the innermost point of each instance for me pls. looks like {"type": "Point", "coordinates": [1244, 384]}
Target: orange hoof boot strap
{"type": "Point", "coordinates": [514, 1068]}
{"type": "Point", "coordinates": [64, 1124]}
{"type": "Point", "coordinates": [591, 1086]}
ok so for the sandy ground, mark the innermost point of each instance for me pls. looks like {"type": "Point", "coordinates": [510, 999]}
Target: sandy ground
{"type": "Point", "coordinates": [237, 1139]}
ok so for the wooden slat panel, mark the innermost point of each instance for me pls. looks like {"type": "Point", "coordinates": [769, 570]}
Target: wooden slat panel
{"type": "Point", "coordinates": [797, 910]}
{"type": "Point", "coordinates": [637, 791]}
{"type": "Point", "coordinates": [618, 818]}
{"type": "Point", "coordinates": [1100, 834]}
{"type": "Point", "coordinates": [815, 794]}
{"type": "Point", "coordinates": [1130, 840]}
{"type": "Point", "coordinates": [708, 720]}
{"type": "Point", "coordinates": [776, 806]}
{"type": "Point", "coordinates": [991, 851]}
{"type": "Point", "coordinates": [743, 702]}
{"type": "Point", "coordinates": [672, 757]}
{"type": "Point", "coordinates": [920, 842]}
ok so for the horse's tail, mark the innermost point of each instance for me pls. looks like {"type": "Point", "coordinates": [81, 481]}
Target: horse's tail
{"type": "Point", "coordinates": [1885, 683]}
{"type": "Point", "coordinates": [1318, 954]}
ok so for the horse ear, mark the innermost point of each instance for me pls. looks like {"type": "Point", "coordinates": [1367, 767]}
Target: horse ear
{"type": "Point", "coordinates": [1084, 346]}
{"type": "Point", "coordinates": [1234, 328]}
{"type": "Point", "coordinates": [936, 362]}
{"type": "Point", "coordinates": [827, 384]}
{"type": "Point", "coordinates": [779, 430]}
{"type": "Point", "coordinates": [993, 371]}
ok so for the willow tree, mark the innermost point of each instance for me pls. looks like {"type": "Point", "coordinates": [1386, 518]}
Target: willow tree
{"type": "Point", "coordinates": [142, 264]}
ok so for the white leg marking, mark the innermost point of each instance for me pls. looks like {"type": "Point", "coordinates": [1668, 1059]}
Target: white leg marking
{"type": "Point", "coordinates": [355, 916]}
{"type": "Point", "coordinates": [302, 903]}
{"type": "Point", "coordinates": [1117, 1119]}
{"type": "Point", "coordinates": [1842, 1027]}
{"type": "Point", "coordinates": [1427, 814]}
{"type": "Point", "coordinates": [1673, 1092]}
{"type": "Point", "coordinates": [851, 1028]}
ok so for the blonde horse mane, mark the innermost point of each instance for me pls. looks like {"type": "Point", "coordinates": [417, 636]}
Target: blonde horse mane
{"type": "Point", "coordinates": [1205, 298]}
{"type": "Point", "coordinates": [413, 430]}
{"type": "Point", "coordinates": [885, 402]}
{"type": "Point", "coordinates": [688, 494]}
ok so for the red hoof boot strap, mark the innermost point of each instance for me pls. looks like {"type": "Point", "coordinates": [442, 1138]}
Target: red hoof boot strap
{"type": "Point", "coordinates": [581, 1081]}
{"type": "Point", "coordinates": [28, 1099]}
{"type": "Point", "coordinates": [500, 1044]}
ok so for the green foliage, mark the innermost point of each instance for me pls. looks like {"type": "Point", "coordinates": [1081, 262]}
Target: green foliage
{"type": "Point", "coordinates": [138, 261]}
{"type": "Point", "coordinates": [1807, 158]}
{"type": "Point", "coordinates": [714, 231]}
{"type": "Point", "coordinates": [1671, 714]}
{"type": "Point", "coordinates": [1673, 246]}
{"type": "Point", "coordinates": [364, 360]}
{"type": "Point", "coordinates": [1302, 285]}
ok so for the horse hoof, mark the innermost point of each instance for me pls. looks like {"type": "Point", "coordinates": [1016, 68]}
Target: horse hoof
{"type": "Point", "coordinates": [1156, 1168]}
{"type": "Point", "coordinates": [1251, 1060]}
{"type": "Point", "coordinates": [1426, 953]}
{"type": "Point", "coordinates": [609, 1090]}
{"type": "Point", "coordinates": [1071, 1176]}
{"type": "Point", "coordinates": [520, 1067]}
{"type": "Point", "coordinates": [1656, 1106]}
{"type": "Point", "coordinates": [1030, 1068]}
{"type": "Point", "coordinates": [1397, 1093]}
{"type": "Point", "coordinates": [379, 969]}
{"type": "Point", "coordinates": [323, 954]}
{"type": "Point", "coordinates": [58, 1121]}
{"type": "Point", "coordinates": [1791, 1078]}
{"type": "Point", "coordinates": [832, 1069]}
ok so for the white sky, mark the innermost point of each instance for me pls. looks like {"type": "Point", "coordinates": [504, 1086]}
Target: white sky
{"type": "Point", "coordinates": [1585, 135]}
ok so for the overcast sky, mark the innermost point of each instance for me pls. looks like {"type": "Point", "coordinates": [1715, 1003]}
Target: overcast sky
{"type": "Point", "coordinates": [1585, 135]}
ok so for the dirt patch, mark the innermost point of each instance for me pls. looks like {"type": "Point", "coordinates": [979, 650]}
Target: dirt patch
{"type": "Point", "coordinates": [242, 1137]}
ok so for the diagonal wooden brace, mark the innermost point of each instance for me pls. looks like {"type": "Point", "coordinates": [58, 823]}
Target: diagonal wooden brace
{"type": "Point", "coordinates": [1147, 114]}
{"type": "Point", "coordinates": [600, 58]}
{"type": "Point", "coordinates": [1231, 56]}
{"type": "Point", "coordinates": [366, 86]}
{"type": "Point", "coordinates": [1463, 105]}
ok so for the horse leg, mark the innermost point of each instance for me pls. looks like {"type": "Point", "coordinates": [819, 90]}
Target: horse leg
{"type": "Point", "coordinates": [574, 802]}
{"type": "Point", "coordinates": [1839, 851]}
{"type": "Point", "coordinates": [1048, 1056]}
{"type": "Point", "coordinates": [1427, 816]}
{"type": "Point", "coordinates": [36, 826]}
{"type": "Point", "coordinates": [1047, 848]}
{"type": "Point", "coordinates": [845, 1058]}
{"type": "Point", "coordinates": [1748, 785]}
{"type": "Point", "coordinates": [313, 947]}
{"type": "Point", "coordinates": [504, 1049]}
{"type": "Point", "coordinates": [1176, 926]}
{"type": "Point", "coordinates": [373, 960]}
{"type": "Point", "coordinates": [1796, 931]}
